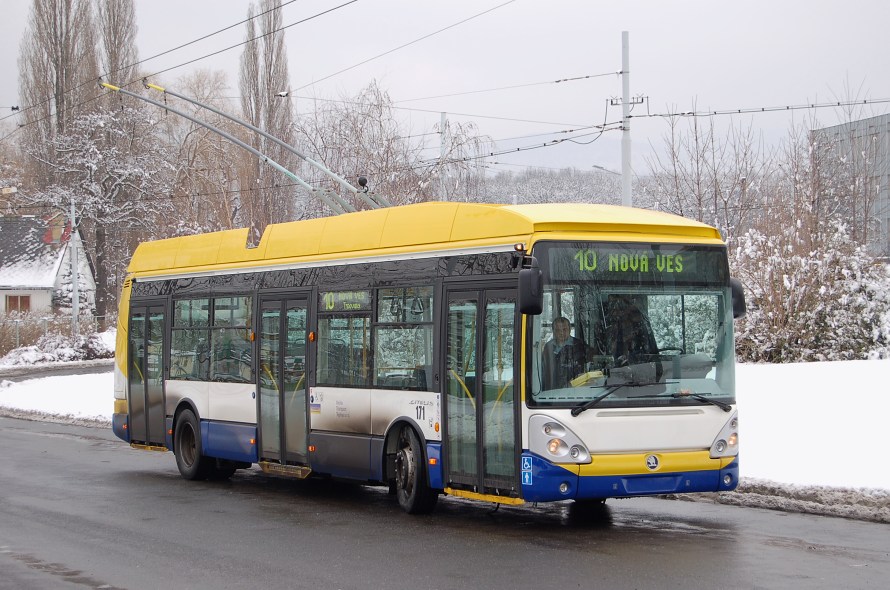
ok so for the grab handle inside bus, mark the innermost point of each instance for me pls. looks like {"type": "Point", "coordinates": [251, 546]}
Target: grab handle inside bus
{"type": "Point", "coordinates": [531, 287]}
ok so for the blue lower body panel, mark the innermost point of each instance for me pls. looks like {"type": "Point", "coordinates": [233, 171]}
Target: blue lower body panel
{"type": "Point", "coordinates": [543, 481]}
{"type": "Point", "coordinates": [119, 426]}
{"type": "Point", "coordinates": [434, 451]}
{"type": "Point", "coordinates": [226, 440]}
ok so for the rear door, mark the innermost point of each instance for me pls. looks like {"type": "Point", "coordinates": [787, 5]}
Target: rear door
{"type": "Point", "coordinates": [146, 374]}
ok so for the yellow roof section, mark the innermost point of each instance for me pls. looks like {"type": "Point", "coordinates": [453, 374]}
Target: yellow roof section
{"type": "Point", "coordinates": [409, 228]}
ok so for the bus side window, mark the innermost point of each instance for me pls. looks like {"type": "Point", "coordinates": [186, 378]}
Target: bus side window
{"type": "Point", "coordinates": [403, 338]}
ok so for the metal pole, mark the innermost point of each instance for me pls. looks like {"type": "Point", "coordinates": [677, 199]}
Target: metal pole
{"type": "Point", "coordinates": [333, 207]}
{"type": "Point", "coordinates": [626, 171]}
{"type": "Point", "coordinates": [442, 194]}
{"type": "Point", "coordinates": [75, 292]}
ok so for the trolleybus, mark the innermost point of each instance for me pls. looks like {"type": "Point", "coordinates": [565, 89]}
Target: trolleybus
{"type": "Point", "coordinates": [507, 354]}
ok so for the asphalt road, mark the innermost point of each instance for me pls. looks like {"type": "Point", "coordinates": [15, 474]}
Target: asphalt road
{"type": "Point", "coordinates": [80, 509]}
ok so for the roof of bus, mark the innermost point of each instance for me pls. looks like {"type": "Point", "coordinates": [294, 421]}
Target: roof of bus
{"type": "Point", "coordinates": [432, 226]}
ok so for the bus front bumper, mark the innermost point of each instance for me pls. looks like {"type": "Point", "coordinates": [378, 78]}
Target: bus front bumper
{"type": "Point", "coordinates": [623, 476]}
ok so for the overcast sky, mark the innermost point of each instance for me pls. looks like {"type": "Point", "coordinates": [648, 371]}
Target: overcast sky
{"type": "Point", "coordinates": [716, 55]}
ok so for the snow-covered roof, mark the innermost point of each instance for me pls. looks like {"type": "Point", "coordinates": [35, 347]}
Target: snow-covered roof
{"type": "Point", "coordinates": [31, 252]}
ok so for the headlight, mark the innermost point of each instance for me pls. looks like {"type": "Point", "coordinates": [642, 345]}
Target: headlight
{"type": "Point", "coordinates": [726, 444]}
{"type": "Point", "coordinates": [557, 447]}
{"type": "Point", "coordinates": [550, 439]}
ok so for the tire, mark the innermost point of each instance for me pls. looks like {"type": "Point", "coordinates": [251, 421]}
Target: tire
{"type": "Point", "coordinates": [590, 511]}
{"type": "Point", "coordinates": [412, 490]}
{"type": "Point", "coordinates": [187, 448]}
{"type": "Point", "coordinates": [220, 470]}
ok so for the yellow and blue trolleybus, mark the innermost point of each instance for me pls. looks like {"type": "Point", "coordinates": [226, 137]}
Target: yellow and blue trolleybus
{"type": "Point", "coordinates": [507, 354]}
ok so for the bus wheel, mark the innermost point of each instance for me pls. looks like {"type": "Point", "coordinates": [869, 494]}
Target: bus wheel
{"type": "Point", "coordinates": [187, 447]}
{"type": "Point", "coordinates": [412, 491]}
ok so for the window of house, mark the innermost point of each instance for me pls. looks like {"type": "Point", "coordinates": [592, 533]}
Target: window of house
{"type": "Point", "coordinates": [18, 304]}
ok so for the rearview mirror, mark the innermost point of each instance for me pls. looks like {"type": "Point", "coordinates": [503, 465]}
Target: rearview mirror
{"type": "Point", "coordinates": [739, 308]}
{"type": "Point", "coordinates": [531, 289]}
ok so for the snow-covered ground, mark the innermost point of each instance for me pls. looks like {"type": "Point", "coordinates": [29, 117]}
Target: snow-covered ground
{"type": "Point", "coordinates": [811, 439]}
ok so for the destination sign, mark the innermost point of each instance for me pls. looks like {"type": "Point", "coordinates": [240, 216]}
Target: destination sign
{"type": "Point", "coordinates": [634, 263]}
{"type": "Point", "coordinates": [334, 301]}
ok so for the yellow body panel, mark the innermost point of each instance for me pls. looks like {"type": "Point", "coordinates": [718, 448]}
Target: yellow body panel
{"type": "Point", "coordinates": [485, 497]}
{"type": "Point", "coordinates": [121, 407]}
{"type": "Point", "coordinates": [635, 464]}
{"type": "Point", "coordinates": [424, 227]}
{"type": "Point", "coordinates": [123, 317]}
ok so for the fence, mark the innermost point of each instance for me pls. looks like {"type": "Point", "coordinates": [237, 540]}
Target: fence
{"type": "Point", "coordinates": [25, 329]}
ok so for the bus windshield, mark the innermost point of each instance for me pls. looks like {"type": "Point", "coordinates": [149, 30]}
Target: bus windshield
{"type": "Point", "coordinates": [633, 324]}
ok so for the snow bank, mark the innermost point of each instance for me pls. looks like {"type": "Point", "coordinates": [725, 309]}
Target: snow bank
{"type": "Point", "coordinates": [811, 433]}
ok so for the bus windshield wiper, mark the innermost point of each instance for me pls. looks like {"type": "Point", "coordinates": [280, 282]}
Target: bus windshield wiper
{"type": "Point", "coordinates": [589, 404]}
{"type": "Point", "coordinates": [723, 406]}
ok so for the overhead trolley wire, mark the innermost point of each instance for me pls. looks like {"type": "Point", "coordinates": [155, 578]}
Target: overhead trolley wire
{"type": "Point", "coordinates": [182, 64]}
{"type": "Point", "coordinates": [510, 87]}
{"type": "Point", "coordinates": [142, 61]}
{"type": "Point", "coordinates": [394, 49]}
{"type": "Point", "coordinates": [754, 110]}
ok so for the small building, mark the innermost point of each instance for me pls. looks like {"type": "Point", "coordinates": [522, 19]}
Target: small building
{"type": "Point", "coordinates": [35, 266]}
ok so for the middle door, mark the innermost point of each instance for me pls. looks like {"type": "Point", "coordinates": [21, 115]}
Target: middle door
{"type": "Point", "coordinates": [282, 381]}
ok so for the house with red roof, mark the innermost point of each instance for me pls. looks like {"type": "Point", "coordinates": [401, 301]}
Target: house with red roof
{"type": "Point", "coordinates": [35, 266]}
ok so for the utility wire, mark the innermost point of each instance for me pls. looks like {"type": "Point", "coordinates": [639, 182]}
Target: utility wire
{"type": "Point", "coordinates": [370, 59]}
{"type": "Point", "coordinates": [747, 111]}
{"type": "Point", "coordinates": [509, 87]}
{"type": "Point", "coordinates": [142, 61]}
{"type": "Point", "coordinates": [180, 65]}
{"type": "Point", "coordinates": [419, 166]}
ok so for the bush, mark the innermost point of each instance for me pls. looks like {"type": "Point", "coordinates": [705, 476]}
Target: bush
{"type": "Point", "coordinates": [58, 348]}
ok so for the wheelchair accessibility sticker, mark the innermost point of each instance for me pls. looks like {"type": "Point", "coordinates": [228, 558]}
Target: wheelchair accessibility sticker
{"type": "Point", "coordinates": [526, 471]}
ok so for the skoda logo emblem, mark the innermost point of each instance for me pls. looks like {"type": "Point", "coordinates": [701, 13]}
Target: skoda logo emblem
{"type": "Point", "coordinates": [652, 462]}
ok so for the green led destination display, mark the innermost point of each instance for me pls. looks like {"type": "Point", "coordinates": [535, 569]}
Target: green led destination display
{"type": "Point", "coordinates": [634, 263]}
{"type": "Point", "coordinates": [334, 301]}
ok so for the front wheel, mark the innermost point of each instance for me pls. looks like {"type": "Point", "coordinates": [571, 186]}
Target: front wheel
{"type": "Point", "coordinates": [187, 447]}
{"type": "Point", "coordinates": [412, 491]}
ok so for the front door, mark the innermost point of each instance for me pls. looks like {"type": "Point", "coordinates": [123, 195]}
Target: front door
{"type": "Point", "coordinates": [481, 373]}
{"type": "Point", "coordinates": [282, 381]}
{"type": "Point", "coordinates": [146, 374]}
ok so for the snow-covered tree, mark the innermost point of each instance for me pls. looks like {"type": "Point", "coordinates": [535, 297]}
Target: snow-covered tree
{"type": "Point", "coordinates": [112, 165]}
{"type": "Point", "coordinates": [814, 291]}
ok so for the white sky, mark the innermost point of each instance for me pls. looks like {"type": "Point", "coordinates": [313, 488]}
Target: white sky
{"type": "Point", "coordinates": [804, 423]}
{"type": "Point", "coordinates": [720, 55]}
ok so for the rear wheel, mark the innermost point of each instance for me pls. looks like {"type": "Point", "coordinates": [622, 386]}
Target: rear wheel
{"type": "Point", "coordinates": [187, 448]}
{"type": "Point", "coordinates": [412, 490]}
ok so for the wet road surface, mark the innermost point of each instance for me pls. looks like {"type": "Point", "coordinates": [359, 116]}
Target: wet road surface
{"type": "Point", "coordinates": [80, 509]}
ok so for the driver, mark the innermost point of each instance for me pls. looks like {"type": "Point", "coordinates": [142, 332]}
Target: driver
{"type": "Point", "coordinates": [564, 356]}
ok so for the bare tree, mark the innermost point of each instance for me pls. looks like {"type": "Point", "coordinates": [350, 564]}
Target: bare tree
{"type": "Point", "coordinates": [57, 71]}
{"type": "Point", "coordinates": [206, 174]}
{"type": "Point", "coordinates": [360, 135]}
{"type": "Point", "coordinates": [722, 182]}
{"type": "Point", "coordinates": [117, 33]}
{"type": "Point", "coordinates": [263, 76]}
